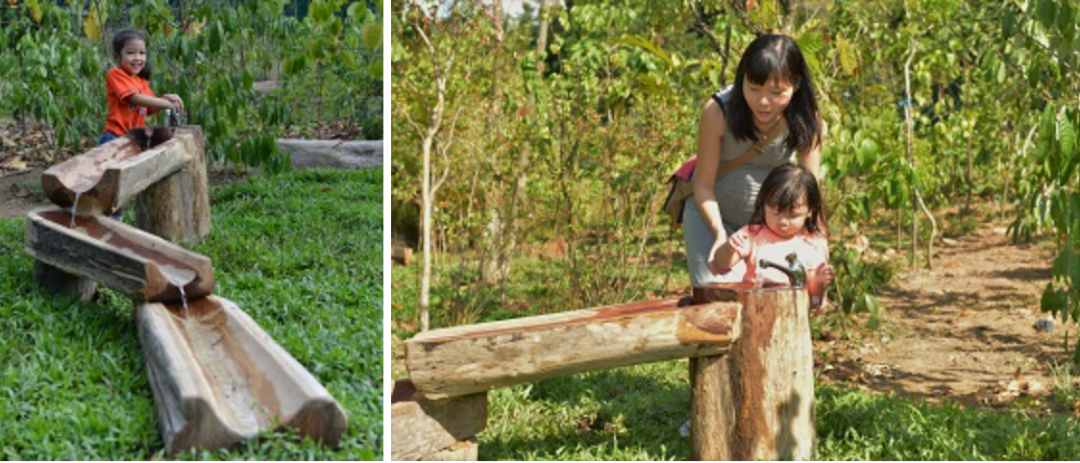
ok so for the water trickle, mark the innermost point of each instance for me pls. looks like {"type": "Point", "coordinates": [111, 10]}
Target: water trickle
{"type": "Point", "coordinates": [74, 207]}
{"type": "Point", "coordinates": [183, 299]}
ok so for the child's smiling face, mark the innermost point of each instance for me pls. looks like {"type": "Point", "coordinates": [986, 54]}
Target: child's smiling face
{"type": "Point", "coordinates": [133, 56]}
{"type": "Point", "coordinates": [787, 224]}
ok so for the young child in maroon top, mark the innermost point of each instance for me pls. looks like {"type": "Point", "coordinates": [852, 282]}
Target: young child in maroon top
{"type": "Point", "coordinates": [788, 218]}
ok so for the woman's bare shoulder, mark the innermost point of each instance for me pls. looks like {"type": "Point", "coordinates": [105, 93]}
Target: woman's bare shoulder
{"type": "Point", "coordinates": [712, 117]}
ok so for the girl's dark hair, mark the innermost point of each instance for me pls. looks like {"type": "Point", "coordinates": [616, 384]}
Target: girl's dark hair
{"type": "Point", "coordinates": [122, 38]}
{"type": "Point", "coordinates": [769, 57]}
{"type": "Point", "coordinates": [785, 188]}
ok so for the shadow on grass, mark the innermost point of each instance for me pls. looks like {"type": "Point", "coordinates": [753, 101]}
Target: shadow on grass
{"type": "Point", "coordinates": [631, 413]}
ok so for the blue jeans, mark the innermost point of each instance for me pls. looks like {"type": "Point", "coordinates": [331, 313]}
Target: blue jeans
{"type": "Point", "coordinates": [103, 139]}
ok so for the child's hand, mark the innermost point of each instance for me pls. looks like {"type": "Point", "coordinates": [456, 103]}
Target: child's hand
{"type": "Point", "coordinates": [178, 103]}
{"type": "Point", "coordinates": [740, 244]}
{"type": "Point", "coordinates": [825, 274]}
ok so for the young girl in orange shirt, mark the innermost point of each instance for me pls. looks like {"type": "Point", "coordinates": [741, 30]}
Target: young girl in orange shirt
{"type": "Point", "coordinates": [128, 88]}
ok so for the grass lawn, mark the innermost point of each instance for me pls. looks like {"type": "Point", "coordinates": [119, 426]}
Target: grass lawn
{"type": "Point", "coordinates": [301, 253]}
{"type": "Point", "coordinates": [634, 413]}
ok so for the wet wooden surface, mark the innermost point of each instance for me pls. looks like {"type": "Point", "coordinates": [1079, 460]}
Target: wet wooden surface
{"type": "Point", "coordinates": [139, 265]}
{"type": "Point", "coordinates": [218, 378]}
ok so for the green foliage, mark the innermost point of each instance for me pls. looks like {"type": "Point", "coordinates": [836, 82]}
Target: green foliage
{"type": "Point", "coordinates": [1042, 34]}
{"type": "Point", "coordinates": [73, 382]}
{"type": "Point", "coordinates": [210, 54]}
{"type": "Point", "coordinates": [857, 281]}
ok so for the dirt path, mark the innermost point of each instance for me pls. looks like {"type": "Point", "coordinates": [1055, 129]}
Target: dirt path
{"type": "Point", "coordinates": [20, 193]}
{"type": "Point", "coordinates": [963, 330]}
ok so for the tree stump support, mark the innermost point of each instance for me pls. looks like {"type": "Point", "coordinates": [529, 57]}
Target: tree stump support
{"type": "Point", "coordinates": [178, 207]}
{"type": "Point", "coordinates": [434, 430]}
{"type": "Point", "coordinates": [757, 402]}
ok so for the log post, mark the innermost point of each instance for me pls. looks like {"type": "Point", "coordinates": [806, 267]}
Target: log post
{"type": "Point", "coordinates": [441, 430]}
{"type": "Point", "coordinates": [55, 280]}
{"type": "Point", "coordinates": [757, 402]}
{"type": "Point", "coordinates": [178, 207]}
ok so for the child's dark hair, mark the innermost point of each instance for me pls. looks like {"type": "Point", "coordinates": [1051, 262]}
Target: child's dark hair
{"type": "Point", "coordinates": [122, 38]}
{"type": "Point", "coordinates": [784, 189]}
{"type": "Point", "coordinates": [777, 56]}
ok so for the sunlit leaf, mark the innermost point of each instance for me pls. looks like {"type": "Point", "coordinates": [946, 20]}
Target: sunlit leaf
{"type": "Point", "coordinates": [372, 34]}
{"type": "Point", "coordinates": [35, 10]}
{"type": "Point", "coordinates": [848, 61]}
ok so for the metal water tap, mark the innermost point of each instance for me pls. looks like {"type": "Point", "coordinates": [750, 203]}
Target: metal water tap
{"type": "Point", "coordinates": [795, 271]}
{"type": "Point", "coordinates": [172, 118]}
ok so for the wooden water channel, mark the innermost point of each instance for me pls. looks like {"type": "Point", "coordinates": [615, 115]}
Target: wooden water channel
{"type": "Point", "coordinates": [751, 370]}
{"type": "Point", "coordinates": [216, 376]}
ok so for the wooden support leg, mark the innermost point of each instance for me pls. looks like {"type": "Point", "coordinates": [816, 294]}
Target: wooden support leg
{"type": "Point", "coordinates": [178, 207]}
{"type": "Point", "coordinates": [439, 430]}
{"type": "Point", "coordinates": [56, 280]}
{"type": "Point", "coordinates": [768, 381]}
{"type": "Point", "coordinates": [712, 412]}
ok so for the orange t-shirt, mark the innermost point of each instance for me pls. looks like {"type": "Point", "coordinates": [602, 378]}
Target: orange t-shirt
{"type": "Point", "coordinates": [124, 115]}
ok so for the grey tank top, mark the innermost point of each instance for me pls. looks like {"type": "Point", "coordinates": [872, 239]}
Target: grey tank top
{"type": "Point", "coordinates": [737, 191]}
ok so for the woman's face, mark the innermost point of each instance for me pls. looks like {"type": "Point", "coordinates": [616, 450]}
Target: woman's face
{"type": "Point", "coordinates": [768, 101]}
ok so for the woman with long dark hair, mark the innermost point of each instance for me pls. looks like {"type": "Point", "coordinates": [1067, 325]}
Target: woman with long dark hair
{"type": "Point", "coordinates": [772, 86]}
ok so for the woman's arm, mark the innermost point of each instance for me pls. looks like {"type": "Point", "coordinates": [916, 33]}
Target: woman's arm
{"type": "Point", "coordinates": [736, 248]}
{"type": "Point", "coordinates": [711, 128]}
{"type": "Point", "coordinates": [811, 159]}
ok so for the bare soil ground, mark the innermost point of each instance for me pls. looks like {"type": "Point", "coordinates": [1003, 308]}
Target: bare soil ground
{"type": "Point", "coordinates": [964, 331]}
{"type": "Point", "coordinates": [20, 192]}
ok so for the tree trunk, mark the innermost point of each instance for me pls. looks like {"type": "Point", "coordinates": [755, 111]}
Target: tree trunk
{"type": "Point", "coordinates": [757, 402]}
{"type": "Point", "coordinates": [177, 208]}
{"type": "Point", "coordinates": [475, 358]}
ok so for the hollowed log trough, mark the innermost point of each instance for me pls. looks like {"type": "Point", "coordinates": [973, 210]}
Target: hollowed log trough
{"type": "Point", "coordinates": [137, 264]}
{"type": "Point", "coordinates": [109, 176]}
{"type": "Point", "coordinates": [475, 358]}
{"type": "Point", "coordinates": [218, 378]}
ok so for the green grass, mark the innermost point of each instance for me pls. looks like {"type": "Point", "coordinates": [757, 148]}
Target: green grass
{"type": "Point", "coordinates": [634, 413]}
{"type": "Point", "coordinates": [301, 253]}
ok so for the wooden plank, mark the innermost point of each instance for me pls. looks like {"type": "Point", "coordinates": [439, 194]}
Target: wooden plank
{"type": "Point", "coordinates": [119, 256]}
{"type": "Point", "coordinates": [475, 358]}
{"type": "Point", "coordinates": [432, 430]}
{"type": "Point", "coordinates": [177, 206]}
{"type": "Point", "coordinates": [109, 176]}
{"type": "Point", "coordinates": [757, 404]}
{"type": "Point", "coordinates": [218, 378]}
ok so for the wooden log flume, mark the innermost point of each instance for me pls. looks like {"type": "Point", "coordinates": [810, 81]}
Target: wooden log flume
{"type": "Point", "coordinates": [218, 378]}
{"type": "Point", "coordinates": [475, 358]}
{"type": "Point", "coordinates": [111, 175]}
{"type": "Point", "coordinates": [139, 265]}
